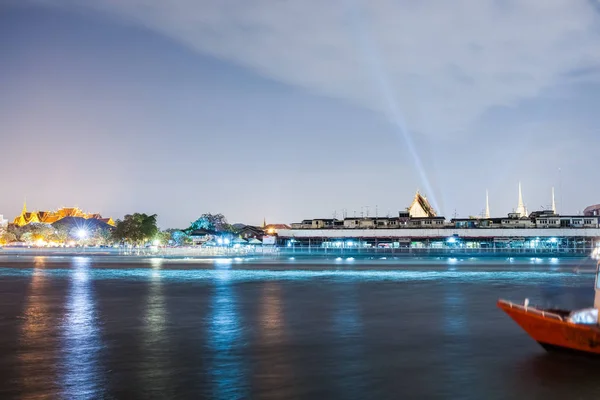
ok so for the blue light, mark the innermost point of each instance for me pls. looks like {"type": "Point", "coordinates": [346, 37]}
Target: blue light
{"type": "Point", "coordinates": [225, 341]}
{"type": "Point", "coordinates": [451, 240]}
{"type": "Point", "coordinates": [80, 335]}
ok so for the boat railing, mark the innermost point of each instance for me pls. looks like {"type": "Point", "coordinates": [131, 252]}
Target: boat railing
{"type": "Point", "coordinates": [533, 310]}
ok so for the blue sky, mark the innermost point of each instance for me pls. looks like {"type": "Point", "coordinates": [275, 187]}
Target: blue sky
{"type": "Point", "coordinates": [292, 110]}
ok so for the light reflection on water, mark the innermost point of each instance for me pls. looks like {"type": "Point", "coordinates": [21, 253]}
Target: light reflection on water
{"type": "Point", "coordinates": [81, 375]}
{"type": "Point", "coordinates": [455, 323]}
{"type": "Point", "coordinates": [275, 374]}
{"type": "Point", "coordinates": [351, 373]}
{"type": "Point", "coordinates": [225, 342]}
{"type": "Point", "coordinates": [38, 355]}
{"type": "Point", "coordinates": [245, 275]}
{"type": "Point", "coordinates": [155, 370]}
{"type": "Point", "coordinates": [455, 337]}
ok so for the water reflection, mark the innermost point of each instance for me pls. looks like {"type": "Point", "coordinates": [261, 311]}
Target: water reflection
{"type": "Point", "coordinates": [156, 370]}
{"type": "Point", "coordinates": [351, 368]}
{"type": "Point", "coordinates": [455, 339]}
{"type": "Point", "coordinates": [81, 375]}
{"type": "Point", "coordinates": [225, 342]}
{"type": "Point", "coordinates": [38, 340]}
{"type": "Point", "coordinates": [275, 374]}
{"type": "Point", "coordinates": [455, 323]}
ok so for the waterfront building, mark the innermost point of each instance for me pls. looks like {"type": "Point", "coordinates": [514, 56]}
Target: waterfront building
{"type": "Point", "coordinates": [273, 229]}
{"type": "Point", "coordinates": [420, 228]}
{"type": "Point", "coordinates": [250, 232]}
{"type": "Point", "coordinates": [50, 217]}
{"type": "Point", "coordinates": [201, 236]}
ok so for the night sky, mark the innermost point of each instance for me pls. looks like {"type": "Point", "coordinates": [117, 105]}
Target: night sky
{"type": "Point", "coordinates": [288, 110]}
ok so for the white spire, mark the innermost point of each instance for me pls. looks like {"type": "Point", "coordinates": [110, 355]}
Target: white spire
{"type": "Point", "coordinates": [487, 204]}
{"type": "Point", "coordinates": [553, 202]}
{"type": "Point", "coordinates": [521, 207]}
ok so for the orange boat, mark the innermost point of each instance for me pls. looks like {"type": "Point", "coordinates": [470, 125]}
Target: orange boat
{"type": "Point", "coordinates": [556, 329]}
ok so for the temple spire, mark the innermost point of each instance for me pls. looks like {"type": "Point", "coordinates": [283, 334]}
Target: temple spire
{"type": "Point", "coordinates": [521, 207]}
{"type": "Point", "coordinates": [553, 201]}
{"type": "Point", "coordinates": [24, 206]}
{"type": "Point", "coordinates": [487, 204]}
{"type": "Point", "coordinates": [264, 222]}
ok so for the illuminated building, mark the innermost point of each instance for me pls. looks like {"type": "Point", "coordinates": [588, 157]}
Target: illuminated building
{"type": "Point", "coordinates": [420, 207]}
{"type": "Point", "coordinates": [420, 228]}
{"type": "Point", "coordinates": [50, 217]}
{"type": "Point", "coordinates": [272, 229]}
{"type": "Point", "coordinates": [3, 222]}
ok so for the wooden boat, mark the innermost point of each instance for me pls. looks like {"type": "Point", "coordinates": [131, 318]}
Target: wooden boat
{"type": "Point", "coordinates": [556, 329]}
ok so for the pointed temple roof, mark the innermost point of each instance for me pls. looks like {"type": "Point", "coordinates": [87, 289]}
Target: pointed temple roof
{"type": "Point", "coordinates": [420, 207]}
{"type": "Point", "coordinates": [521, 210]}
{"type": "Point", "coordinates": [50, 217]}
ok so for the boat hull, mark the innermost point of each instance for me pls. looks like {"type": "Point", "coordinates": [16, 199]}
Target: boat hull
{"type": "Point", "coordinates": [552, 330]}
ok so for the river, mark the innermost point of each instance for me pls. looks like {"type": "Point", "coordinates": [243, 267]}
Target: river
{"type": "Point", "coordinates": [143, 328]}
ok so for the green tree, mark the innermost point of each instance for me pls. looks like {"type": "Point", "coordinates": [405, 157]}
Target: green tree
{"type": "Point", "coordinates": [179, 237]}
{"type": "Point", "coordinates": [211, 222]}
{"type": "Point", "coordinates": [36, 231]}
{"type": "Point", "coordinates": [61, 234]}
{"type": "Point", "coordinates": [102, 236]}
{"type": "Point", "coordinates": [136, 229]}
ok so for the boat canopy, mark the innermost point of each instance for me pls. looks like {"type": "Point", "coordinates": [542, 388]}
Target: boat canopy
{"type": "Point", "coordinates": [584, 316]}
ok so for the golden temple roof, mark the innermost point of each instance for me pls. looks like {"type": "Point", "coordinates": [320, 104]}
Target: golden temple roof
{"type": "Point", "coordinates": [50, 217]}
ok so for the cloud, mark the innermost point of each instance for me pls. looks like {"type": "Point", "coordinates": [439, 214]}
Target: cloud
{"type": "Point", "coordinates": [439, 64]}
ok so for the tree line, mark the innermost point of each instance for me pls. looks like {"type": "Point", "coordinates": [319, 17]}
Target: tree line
{"type": "Point", "coordinates": [136, 229]}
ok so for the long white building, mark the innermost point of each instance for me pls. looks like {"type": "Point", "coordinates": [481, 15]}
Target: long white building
{"type": "Point", "coordinates": [420, 226]}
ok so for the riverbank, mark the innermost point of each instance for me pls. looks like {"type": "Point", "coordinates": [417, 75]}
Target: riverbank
{"type": "Point", "coordinates": [194, 258]}
{"type": "Point", "coordinates": [277, 252]}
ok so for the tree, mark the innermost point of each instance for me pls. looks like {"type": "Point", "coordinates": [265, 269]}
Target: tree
{"type": "Point", "coordinates": [15, 230]}
{"type": "Point", "coordinates": [102, 236]}
{"type": "Point", "coordinates": [61, 234]}
{"type": "Point", "coordinates": [180, 238]}
{"type": "Point", "coordinates": [7, 237]}
{"type": "Point", "coordinates": [136, 229]}
{"type": "Point", "coordinates": [36, 231]}
{"type": "Point", "coordinates": [211, 222]}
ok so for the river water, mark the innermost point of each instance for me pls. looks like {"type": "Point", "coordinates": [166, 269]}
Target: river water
{"type": "Point", "coordinates": [113, 328]}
